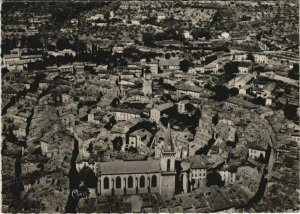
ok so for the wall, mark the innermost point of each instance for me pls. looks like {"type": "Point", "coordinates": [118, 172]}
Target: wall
{"type": "Point", "coordinates": [167, 185]}
{"type": "Point", "coordinates": [124, 184]}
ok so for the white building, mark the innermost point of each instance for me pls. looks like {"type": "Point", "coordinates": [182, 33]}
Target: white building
{"type": "Point", "coordinates": [138, 138]}
{"type": "Point", "coordinates": [181, 106]}
{"type": "Point", "coordinates": [228, 174]}
{"type": "Point", "coordinates": [126, 114]}
{"type": "Point", "coordinates": [157, 111]}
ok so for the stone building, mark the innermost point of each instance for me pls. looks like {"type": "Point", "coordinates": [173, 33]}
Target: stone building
{"type": "Point", "coordinates": [147, 83]}
{"type": "Point", "coordinates": [119, 177]}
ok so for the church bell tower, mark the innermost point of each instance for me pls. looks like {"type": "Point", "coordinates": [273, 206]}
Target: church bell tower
{"type": "Point", "coordinates": [167, 162]}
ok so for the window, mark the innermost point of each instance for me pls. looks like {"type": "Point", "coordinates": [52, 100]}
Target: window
{"type": "Point", "coordinates": [118, 182]}
{"type": "Point", "coordinates": [106, 183]}
{"type": "Point", "coordinates": [142, 181]}
{"type": "Point", "coordinates": [154, 181]}
{"type": "Point", "coordinates": [168, 164]}
{"type": "Point", "coordinates": [130, 182]}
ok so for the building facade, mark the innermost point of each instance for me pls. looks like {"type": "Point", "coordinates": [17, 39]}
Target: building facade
{"type": "Point", "coordinates": [147, 84]}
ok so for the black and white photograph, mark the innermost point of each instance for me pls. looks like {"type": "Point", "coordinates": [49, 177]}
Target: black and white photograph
{"type": "Point", "coordinates": [150, 106]}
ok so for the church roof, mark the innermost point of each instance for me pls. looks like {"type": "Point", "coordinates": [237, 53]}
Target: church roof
{"type": "Point", "coordinates": [128, 167]}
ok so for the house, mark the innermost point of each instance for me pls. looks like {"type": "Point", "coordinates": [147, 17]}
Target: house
{"type": "Point", "coordinates": [44, 146]}
{"type": "Point", "coordinates": [245, 90]}
{"type": "Point", "coordinates": [260, 58]}
{"type": "Point", "coordinates": [157, 111]}
{"type": "Point", "coordinates": [101, 68]}
{"type": "Point", "coordinates": [196, 69]}
{"type": "Point", "coordinates": [181, 106]}
{"type": "Point", "coordinates": [95, 17]}
{"type": "Point", "coordinates": [244, 67]}
{"type": "Point", "coordinates": [193, 91]}
{"type": "Point", "coordinates": [198, 171]}
{"type": "Point", "coordinates": [212, 67]}
{"type": "Point", "coordinates": [52, 71]}
{"type": "Point", "coordinates": [169, 64]}
{"type": "Point", "coordinates": [153, 66]}
{"type": "Point", "coordinates": [19, 66]}
{"type": "Point", "coordinates": [118, 49]}
{"type": "Point", "coordinates": [138, 138]}
{"type": "Point", "coordinates": [66, 69]}
{"type": "Point", "coordinates": [20, 130]}
{"type": "Point", "coordinates": [240, 81]}
{"type": "Point", "coordinates": [264, 112]}
{"type": "Point", "coordinates": [127, 75]}
{"type": "Point", "coordinates": [257, 150]}
{"type": "Point", "coordinates": [160, 17]}
{"type": "Point", "coordinates": [31, 58]}
{"type": "Point", "coordinates": [84, 133]}
{"type": "Point", "coordinates": [264, 90]}
{"type": "Point", "coordinates": [187, 35]}
{"type": "Point", "coordinates": [10, 59]}
{"type": "Point", "coordinates": [125, 114]}
{"type": "Point", "coordinates": [90, 65]}
{"type": "Point", "coordinates": [44, 83]}
{"type": "Point", "coordinates": [67, 51]}
{"type": "Point", "coordinates": [228, 174]}
{"type": "Point", "coordinates": [136, 70]}
{"type": "Point", "coordinates": [79, 68]}
{"type": "Point", "coordinates": [66, 99]}
{"type": "Point", "coordinates": [121, 129]}
{"type": "Point", "coordinates": [68, 121]}
{"type": "Point", "coordinates": [295, 136]}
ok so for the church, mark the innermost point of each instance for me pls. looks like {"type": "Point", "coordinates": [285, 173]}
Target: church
{"type": "Point", "coordinates": [119, 177]}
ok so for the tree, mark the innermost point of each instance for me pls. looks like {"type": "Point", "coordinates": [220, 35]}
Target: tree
{"type": "Point", "coordinates": [259, 69]}
{"type": "Point", "coordinates": [217, 18]}
{"type": "Point", "coordinates": [7, 44]}
{"type": "Point", "coordinates": [258, 36]}
{"type": "Point", "coordinates": [215, 119]}
{"type": "Point", "coordinates": [259, 101]}
{"type": "Point", "coordinates": [290, 111]}
{"type": "Point", "coordinates": [132, 53]}
{"type": "Point", "coordinates": [132, 149]}
{"type": "Point", "coordinates": [115, 102]}
{"type": "Point", "coordinates": [34, 41]}
{"type": "Point", "coordinates": [250, 57]}
{"type": "Point", "coordinates": [4, 71]}
{"type": "Point", "coordinates": [261, 158]}
{"type": "Point", "coordinates": [148, 39]}
{"type": "Point", "coordinates": [37, 65]}
{"type": "Point", "coordinates": [62, 43]}
{"type": "Point", "coordinates": [87, 175]}
{"type": "Point", "coordinates": [231, 68]}
{"type": "Point", "coordinates": [23, 41]}
{"type": "Point", "coordinates": [233, 91]}
{"type": "Point", "coordinates": [117, 143]}
{"type": "Point", "coordinates": [294, 72]}
{"type": "Point", "coordinates": [167, 55]}
{"type": "Point", "coordinates": [221, 92]}
{"type": "Point", "coordinates": [200, 33]}
{"type": "Point", "coordinates": [184, 65]}
{"type": "Point", "coordinates": [215, 178]}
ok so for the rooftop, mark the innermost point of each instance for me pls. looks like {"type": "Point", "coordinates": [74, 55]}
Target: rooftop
{"type": "Point", "coordinates": [128, 167]}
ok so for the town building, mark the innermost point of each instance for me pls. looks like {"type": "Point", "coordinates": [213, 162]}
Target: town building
{"type": "Point", "coordinates": [158, 110]}
{"type": "Point", "coordinates": [119, 177]}
{"type": "Point", "coordinates": [147, 83]}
